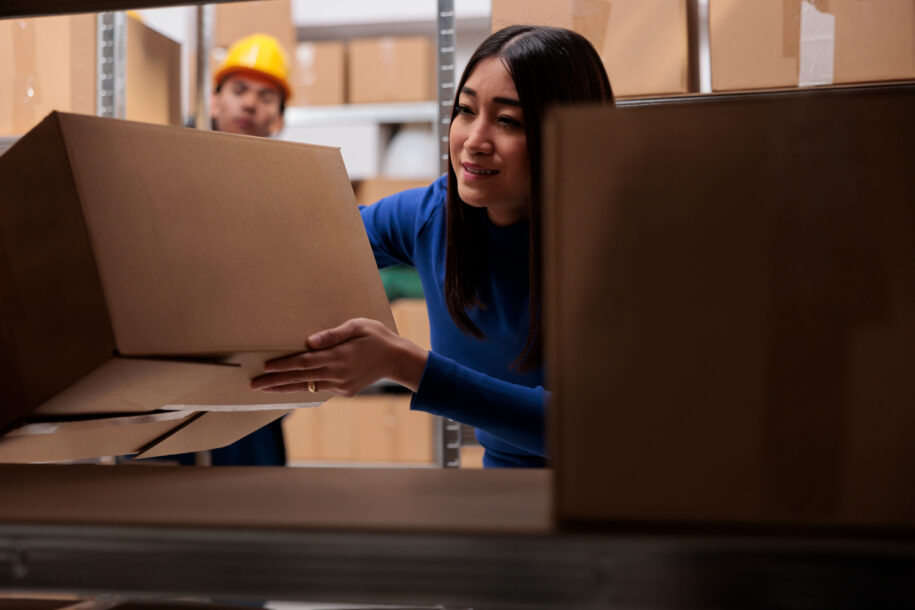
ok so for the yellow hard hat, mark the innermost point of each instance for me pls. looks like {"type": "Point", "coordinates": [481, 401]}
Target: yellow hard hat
{"type": "Point", "coordinates": [259, 54]}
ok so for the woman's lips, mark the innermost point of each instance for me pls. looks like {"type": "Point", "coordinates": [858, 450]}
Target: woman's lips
{"type": "Point", "coordinates": [477, 172]}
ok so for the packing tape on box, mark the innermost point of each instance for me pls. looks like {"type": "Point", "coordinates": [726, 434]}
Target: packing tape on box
{"type": "Point", "coordinates": [590, 18]}
{"type": "Point", "coordinates": [809, 32]}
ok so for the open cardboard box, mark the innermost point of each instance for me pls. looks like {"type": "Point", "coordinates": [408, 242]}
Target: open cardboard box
{"type": "Point", "coordinates": [147, 268]}
{"type": "Point", "coordinates": [730, 287]}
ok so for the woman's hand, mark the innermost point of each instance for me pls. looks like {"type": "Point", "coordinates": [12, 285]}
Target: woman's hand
{"type": "Point", "coordinates": [346, 359]}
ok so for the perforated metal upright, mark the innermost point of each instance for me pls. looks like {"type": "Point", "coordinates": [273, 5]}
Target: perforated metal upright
{"type": "Point", "coordinates": [447, 431]}
{"type": "Point", "coordinates": [111, 63]}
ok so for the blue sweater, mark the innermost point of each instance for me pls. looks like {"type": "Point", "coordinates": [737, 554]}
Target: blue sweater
{"type": "Point", "coordinates": [468, 379]}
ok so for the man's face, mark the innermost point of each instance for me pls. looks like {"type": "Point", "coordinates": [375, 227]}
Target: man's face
{"type": "Point", "coordinates": [247, 104]}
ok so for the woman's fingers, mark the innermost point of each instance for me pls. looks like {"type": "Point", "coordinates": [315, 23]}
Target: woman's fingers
{"type": "Point", "coordinates": [297, 362]}
{"type": "Point", "coordinates": [335, 336]}
{"type": "Point", "coordinates": [270, 381]}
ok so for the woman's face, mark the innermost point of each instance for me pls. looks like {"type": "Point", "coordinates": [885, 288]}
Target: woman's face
{"type": "Point", "coordinates": [488, 145]}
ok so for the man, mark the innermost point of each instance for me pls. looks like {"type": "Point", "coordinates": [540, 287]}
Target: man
{"type": "Point", "coordinates": [251, 88]}
{"type": "Point", "coordinates": [250, 91]}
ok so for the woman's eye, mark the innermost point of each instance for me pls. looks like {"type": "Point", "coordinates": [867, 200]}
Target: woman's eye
{"type": "Point", "coordinates": [463, 109]}
{"type": "Point", "coordinates": [510, 121]}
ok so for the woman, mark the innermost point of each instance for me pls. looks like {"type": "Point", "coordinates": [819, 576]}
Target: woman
{"type": "Point", "coordinates": [474, 236]}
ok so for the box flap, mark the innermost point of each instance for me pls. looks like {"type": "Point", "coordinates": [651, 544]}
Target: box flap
{"type": "Point", "coordinates": [210, 431]}
{"type": "Point", "coordinates": [135, 385]}
{"type": "Point", "coordinates": [242, 243]}
{"type": "Point", "coordinates": [54, 326]}
{"type": "Point", "coordinates": [81, 439]}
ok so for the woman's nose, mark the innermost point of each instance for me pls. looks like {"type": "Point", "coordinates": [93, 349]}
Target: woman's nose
{"type": "Point", "coordinates": [478, 139]}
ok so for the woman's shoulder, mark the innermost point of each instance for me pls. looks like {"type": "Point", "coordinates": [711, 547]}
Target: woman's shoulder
{"type": "Point", "coordinates": [424, 205]}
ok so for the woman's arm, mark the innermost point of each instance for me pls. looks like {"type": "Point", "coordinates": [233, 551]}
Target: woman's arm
{"type": "Point", "coordinates": [359, 352]}
{"type": "Point", "coordinates": [514, 413]}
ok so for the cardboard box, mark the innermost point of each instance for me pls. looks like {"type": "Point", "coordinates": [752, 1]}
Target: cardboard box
{"type": "Point", "coordinates": [391, 69]}
{"type": "Point", "coordinates": [149, 267]}
{"type": "Point", "coordinates": [377, 428]}
{"type": "Point", "coordinates": [729, 289]}
{"type": "Point", "coordinates": [644, 43]}
{"type": "Point", "coordinates": [786, 44]}
{"type": "Point", "coordinates": [235, 20]}
{"type": "Point", "coordinates": [370, 190]}
{"type": "Point", "coordinates": [318, 76]}
{"type": "Point", "coordinates": [53, 61]}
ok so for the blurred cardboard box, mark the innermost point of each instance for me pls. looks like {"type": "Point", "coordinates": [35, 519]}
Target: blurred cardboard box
{"type": "Point", "coordinates": [801, 42]}
{"type": "Point", "coordinates": [319, 74]}
{"type": "Point", "coordinates": [148, 267]}
{"type": "Point", "coordinates": [734, 343]}
{"type": "Point", "coordinates": [236, 20]}
{"type": "Point", "coordinates": [51, 65]}
{"type": "Point", "coordinates": [376, 428]}
{"type": "Point", "coordinates": [370, 190]}
{"type": "Point", "coordinates": [391, 69]}
{"type": "Point", "coordinates": [644, 43]}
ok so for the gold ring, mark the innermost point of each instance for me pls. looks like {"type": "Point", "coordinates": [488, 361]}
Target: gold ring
{"type": "Point", "coordinates": [312, 386]}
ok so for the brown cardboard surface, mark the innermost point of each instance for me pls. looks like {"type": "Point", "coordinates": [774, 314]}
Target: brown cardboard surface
{"type": "Point", "coordinates": [729, 310]}
{"type": "Point", "coordinates": [237, 19]}
{"type": "Point", "coordinates": [74, 440]}
{"type": "Point", "coordinates": [198, 243]}
{"type": "Point", "coordinates": [52, 308]}
{"type": "Point", "coordinates": [511, 501]}
{"type": "Point", "coordinates": [158, 241]}
{"type": "Point", "coordinates": [319, 73]}
{"type": "Point", "coordinates": [756, 44]}
{"type": "Point", "coordinates": [52, 64]}
{"type": "Point", "coordinates": [153, 76]}
{"type": "Point", "coordinates": [209, 431]}
{"type": "Point", "coordinates": [390, 69]}
{"type": "Point", "coordinates": [370, 190]}
{"type": "Point", "coordinates": [643, 43]}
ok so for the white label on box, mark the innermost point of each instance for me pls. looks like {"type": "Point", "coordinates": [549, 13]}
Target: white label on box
{"type": "Point", "coordinates": [818, 47]}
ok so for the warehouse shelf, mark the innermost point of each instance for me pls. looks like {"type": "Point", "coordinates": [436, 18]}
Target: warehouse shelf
{"type": "Point", "coordinates": [321, 14]}
{"type": "Point", "coordinates": [481, 539]}
{"type": "Point", "coordinates": [357, 114]}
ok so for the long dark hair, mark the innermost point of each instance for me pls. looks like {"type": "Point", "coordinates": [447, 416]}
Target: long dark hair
{"type": "Point", "coordinates": [548, 66]}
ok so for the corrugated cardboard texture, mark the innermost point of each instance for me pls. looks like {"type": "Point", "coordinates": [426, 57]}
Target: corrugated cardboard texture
{"type": "Point", "coordinates": [729, 302]}
{"type": "Point", "coordinates": [319, 73]}
{"type": "Point", "coordinates": [390, 69]}
{"type": "Point", "coordinates": [643, 43]}
{"type": "Point", "coordinates": [757, 44]}
{"type": "Point", "coordinates": [53, 314]}
{"type": "Point", "coordinates": [237, 19]}
{"type": "Point", "coordinates": [52, 66]}
{"type": "Point", "coordinates": [222, 270]}
{"type": "Point", "coordinates": [408, 499]}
